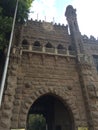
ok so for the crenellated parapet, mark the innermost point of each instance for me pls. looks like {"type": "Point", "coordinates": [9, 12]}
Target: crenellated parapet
{"type": "Point", "coordinates": [51, 73]}
{"type": "Point", "coordinates": [41, 34]}
{"type": "Point", "coordinates": [90, 39]}
{"type": "Point", "coordinates": [40, 24]}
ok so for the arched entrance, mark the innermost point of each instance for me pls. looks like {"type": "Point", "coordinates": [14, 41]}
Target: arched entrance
{"type": "Point", "coordinates": [53, 111]}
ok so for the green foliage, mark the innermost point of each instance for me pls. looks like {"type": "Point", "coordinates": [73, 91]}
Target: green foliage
{"type": "Point", "coordinates": [7, 9]}
{"type": "Point", "coordinates": [36, 122]}
{"type": "Point", "coordinates": [23, 11]}
{"type": "Point", "coordinates": [5, 28]}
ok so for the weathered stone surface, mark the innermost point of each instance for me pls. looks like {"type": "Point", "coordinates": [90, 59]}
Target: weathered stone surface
{"type": "Point", "coordinates": [71, 78]}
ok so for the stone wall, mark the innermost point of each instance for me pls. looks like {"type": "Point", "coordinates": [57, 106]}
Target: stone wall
{"type": "Point", "coordinates": [44, 32]}
{"type": "Point", "coordinates": [32, 74]}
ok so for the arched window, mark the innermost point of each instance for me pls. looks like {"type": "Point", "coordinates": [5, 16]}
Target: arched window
{"type": "Point", "coordinates": [60, 46]}
{"type": "Point", "coordinates": [37, 43]}
{"type": "Point", "coordinates": [25, 44]}
{"type": "Point", "coordinates": [49, 48]}
{"type": "Point", "coordinates": [37, 46]}
{"type": "Point", "coordinates": [61, 49]}
{"type": "Point", "coordinates": [48, 45]}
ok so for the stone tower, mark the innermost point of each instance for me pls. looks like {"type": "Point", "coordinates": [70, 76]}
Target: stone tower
{"type": "Point", "coordinates": [51, 74]}
{"type": "Point", "coordinates": [74, 29]}
{"type": "Point", "coordinates": [84, 67]}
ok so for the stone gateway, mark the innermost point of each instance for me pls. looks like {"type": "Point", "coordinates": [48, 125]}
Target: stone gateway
{"type": "Point", "coordinates": [53, 71]}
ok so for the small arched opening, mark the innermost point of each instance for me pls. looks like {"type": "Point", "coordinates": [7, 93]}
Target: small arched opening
{"type": "Point", "coordinates": [25, 44]}
{"type": "Point", "coordinates": [48, 45]}
{"type": "Point", "coordinates": [49, 48]}
{"type": "Point", "coordinates": [61, 49]}
{"type": "Point", "coordinates": [54, 114]}
{"type": "Point", "coordinates": [60, 46]}
{"type": "Point", "coordinates": [37, 46]}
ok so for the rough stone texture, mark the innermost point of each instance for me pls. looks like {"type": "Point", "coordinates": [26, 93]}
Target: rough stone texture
{"type": "Point", "coordinates": [31, 74]}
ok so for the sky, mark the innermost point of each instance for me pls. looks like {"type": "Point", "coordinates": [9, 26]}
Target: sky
{"type": "Point", "coordinates": [54, 10]}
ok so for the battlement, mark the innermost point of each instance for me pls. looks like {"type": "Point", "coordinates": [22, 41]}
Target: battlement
{"type": "Point", "coordinates": [53, 74]}
{"type": "Point", "coordinates": [44, 32]}
{"type": "Point", "coordinates": [45, 24]}
{"type": "Point", "coordinates": [89, 40]}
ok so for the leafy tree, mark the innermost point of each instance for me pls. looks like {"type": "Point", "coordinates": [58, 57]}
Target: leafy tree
{"type": "Point", "coordinates": [36, 122]}
{"type": "Point", "coordinates": [7, 9]}
{"type": "Point", "coordinates": [5, 29]}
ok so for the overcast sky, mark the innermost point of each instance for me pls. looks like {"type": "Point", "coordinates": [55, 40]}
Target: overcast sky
{"type": "Point", "coordinates": [54, 10]}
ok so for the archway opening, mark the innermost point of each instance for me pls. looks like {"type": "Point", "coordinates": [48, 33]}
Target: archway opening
{"type": "Point", "coordinates": [25, 44]}
{"type": "Point", "coordinates": [37, 43]}
{"type": "Point", "coordinates": [49, 45]}
{"type": "Point", "coordinates": [61, 49]}
{"type": "Point", "coordinates": [60, 46]}
{"type": "Point", "coordinates": [54, 113]}
{"type": "Point", "coordinates": [37, 46]}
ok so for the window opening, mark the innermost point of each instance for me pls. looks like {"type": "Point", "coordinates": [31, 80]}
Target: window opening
{"type": "Point", "coordinates": [36, 43]}
{"type": "Point", "coordinates": [60, 47]}
{"type": "Point", "coordinates": [48, 45]}
{"type": "Point", "coordinates": [25, 44]}
{"type": "Point", "coordinates": [37, 46]}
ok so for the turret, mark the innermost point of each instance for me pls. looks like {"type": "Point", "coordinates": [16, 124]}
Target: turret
{"type": "Point", "coordinates": [77, 42]}
{"type": "Point", "coordinates": [72, 19]}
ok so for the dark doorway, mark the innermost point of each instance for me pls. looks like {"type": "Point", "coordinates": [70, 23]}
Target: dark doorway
{"type": "Point", "coordinates": [55, 115]}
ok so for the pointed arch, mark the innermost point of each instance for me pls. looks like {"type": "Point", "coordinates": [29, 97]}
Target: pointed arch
{"type": "Point", "coordinates": [61, 49]}
{"type": "Point", "coordinates": [60, 46]}
{"type": "Point", "coordinates": [28, 101]}
{"type": "Point", "coordinates": [49, 48]}
{"type": "Point", "coordinates": [37, 43]}
{"type": "Point", "coordinates": [37, 46]}
{"type": "Point", "coordinates": [25, 44]}
{"type": "Point", "coordinates": [48, 45]}
{"type": "Point", "coordinates": [52, 101]}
